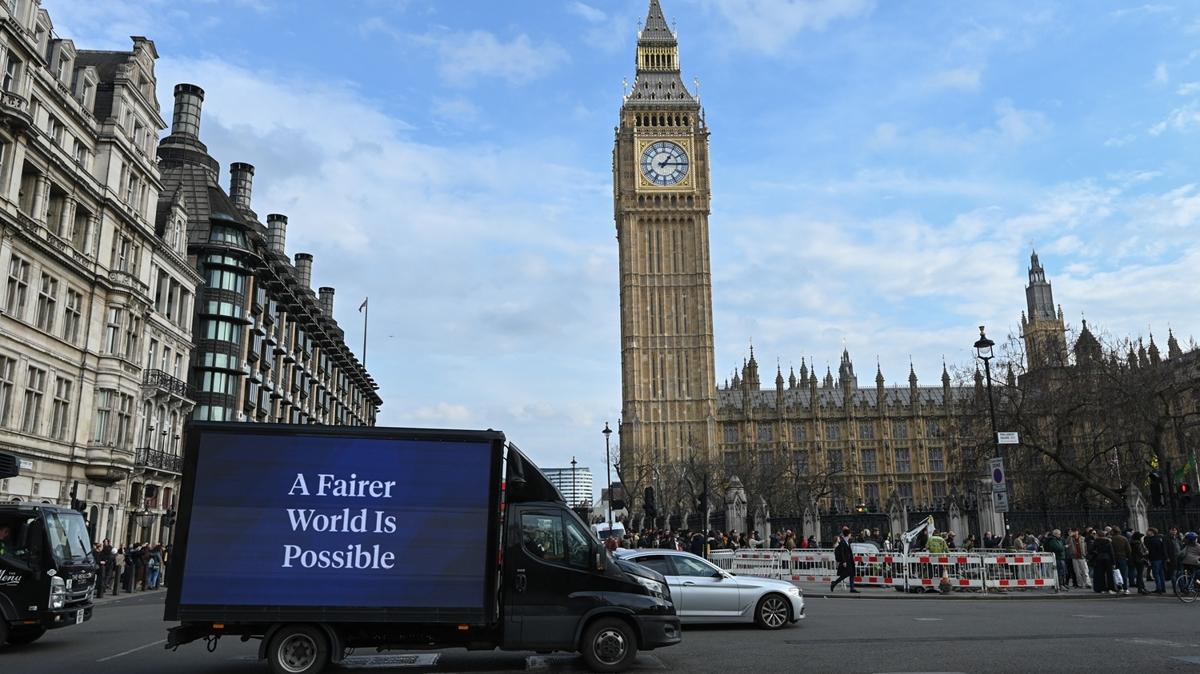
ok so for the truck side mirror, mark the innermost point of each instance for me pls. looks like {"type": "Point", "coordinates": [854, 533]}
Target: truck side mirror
{"type": "Point", "coordinates": [601, 563]}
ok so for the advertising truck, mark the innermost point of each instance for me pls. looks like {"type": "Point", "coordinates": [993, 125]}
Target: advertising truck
{"type": "Point", "coordinates": [319, 539]}
{"type": "Point", "coordinates": [47, 571]}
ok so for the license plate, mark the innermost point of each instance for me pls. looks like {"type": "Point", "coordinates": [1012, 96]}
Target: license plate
{"type": "Point", "coordinates": [79, 616]}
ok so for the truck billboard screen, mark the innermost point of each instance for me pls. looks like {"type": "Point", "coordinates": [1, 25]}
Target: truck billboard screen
{"type": "Point", "coordinates": [313, 520]}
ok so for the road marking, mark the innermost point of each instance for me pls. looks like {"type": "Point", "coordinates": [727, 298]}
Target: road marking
{"type": "Point", "coordinates": [132, 650]}
{"type": "Point", "coordinates": [927, 620]}
{"type": "Point", "coordinates": [373, 661]}
{"type": "Point", "coordinates": [542, 663]}
{"type": "Point", "coordinates": [1191, 659]}
{"type": "Point", "coordinates": [381, 661]}
{"type": "Point", "coordinates": [1155, 642]}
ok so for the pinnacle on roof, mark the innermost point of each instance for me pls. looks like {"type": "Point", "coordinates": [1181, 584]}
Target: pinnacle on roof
{"type": "Point", "coordinates": [1033, 262]}
{"type": "Point", "coordinates": [1173, 350]}
{"type": "Point", "coordinates": [656, 28]}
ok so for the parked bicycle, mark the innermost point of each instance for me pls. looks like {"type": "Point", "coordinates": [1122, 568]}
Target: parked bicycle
{"type": "Point", "coordinates": [1187, 585]}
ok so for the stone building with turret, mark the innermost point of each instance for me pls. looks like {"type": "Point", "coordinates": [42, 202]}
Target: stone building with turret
{"type": "Point", "coordinates": [267, 347]}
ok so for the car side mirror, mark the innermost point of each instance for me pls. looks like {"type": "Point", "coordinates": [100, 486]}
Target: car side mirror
{"type": "Point", "coordinates": [601, 563]}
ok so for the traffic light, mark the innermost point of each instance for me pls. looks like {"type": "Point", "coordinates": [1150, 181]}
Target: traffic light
{"type": "Point", "coordinates": [1157, 496]}
{"type": "Point", "coordinates": [77, 504]}
{"type": "Point", "coordinates": [1185, 494]}
{"type": "Point", "coordinates": [168, 518]}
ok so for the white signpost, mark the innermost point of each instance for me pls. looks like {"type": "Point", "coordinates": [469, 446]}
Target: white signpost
{"type": "Point", "coordinates": [1000, 500]}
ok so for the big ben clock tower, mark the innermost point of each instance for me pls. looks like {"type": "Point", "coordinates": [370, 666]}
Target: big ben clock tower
{"type": "Point", "coordinates": [661, 203]}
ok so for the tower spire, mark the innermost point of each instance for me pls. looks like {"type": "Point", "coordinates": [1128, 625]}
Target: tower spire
{"type": "Point", "coordinates": [655, 27]}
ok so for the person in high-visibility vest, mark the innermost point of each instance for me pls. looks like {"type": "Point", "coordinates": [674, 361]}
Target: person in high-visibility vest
{"type": "Point", "coordinates": [937, 544]}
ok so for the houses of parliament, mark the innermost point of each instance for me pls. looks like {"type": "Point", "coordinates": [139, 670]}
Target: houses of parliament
{"type": "Point", "coordinates": [868, 440]}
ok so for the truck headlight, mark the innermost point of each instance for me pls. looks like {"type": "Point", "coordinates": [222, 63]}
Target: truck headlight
{"type": "Point", "coordinates": [655, 587]}
{"type": "Point", "coordinates": [58, 592]}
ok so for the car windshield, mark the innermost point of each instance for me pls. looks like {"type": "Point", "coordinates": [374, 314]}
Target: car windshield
{"type": "Point", "coordinates": [68, 538]}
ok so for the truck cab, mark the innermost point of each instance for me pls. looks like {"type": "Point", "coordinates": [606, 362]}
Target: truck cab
{"type": "Point", "coordinates": [47, 571]}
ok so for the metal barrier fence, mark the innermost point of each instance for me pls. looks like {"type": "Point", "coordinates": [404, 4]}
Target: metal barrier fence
{"type": "Point", "coordinates": [976, 570]}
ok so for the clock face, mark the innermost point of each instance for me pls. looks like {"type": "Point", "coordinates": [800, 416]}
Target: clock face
{"type": "Point", "coordinates": [664, 163]}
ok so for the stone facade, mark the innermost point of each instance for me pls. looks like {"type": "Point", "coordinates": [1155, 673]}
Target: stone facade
{"type": "Point", "coordinates": [97, 289]}
{"type": "Point", "coordinates": [661, 198]}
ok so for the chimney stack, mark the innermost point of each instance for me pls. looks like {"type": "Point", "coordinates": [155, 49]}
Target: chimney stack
{"type": "Point", "coordinates": [277, 232]}
{"type": "Point", "coordinates": [185, 120]}
{"type": "Point", "coordinates": [304, 270]}
{"type": "Point", "coordinates": [241, 180]}
{"type": "Point", "coordinates": [326, 296]}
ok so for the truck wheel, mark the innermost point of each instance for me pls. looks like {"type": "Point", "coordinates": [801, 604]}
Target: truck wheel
{"type": "Point", "coordinates": [26, 636]}
{"type": "Point", "coordinates": [298, 649]}
{"type": "Point", "coordinates": [772, 612]}
{"type": "Point", "coordinates": [609, 645]}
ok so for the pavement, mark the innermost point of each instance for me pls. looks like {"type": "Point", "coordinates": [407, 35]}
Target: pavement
{"type": "Point", "coordinates": [869, 635]}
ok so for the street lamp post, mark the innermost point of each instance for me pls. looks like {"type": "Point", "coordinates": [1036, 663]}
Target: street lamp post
{"type": "Point", "coordinates": [608, 472]}
{"type": "Point", "coordinates": [983, 350]}
{"type": "Point", "coordinates": [574, 489]}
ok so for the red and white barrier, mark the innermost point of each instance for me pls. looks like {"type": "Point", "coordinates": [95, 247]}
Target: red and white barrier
{"type": "Point", "coordinates": [958, 570]}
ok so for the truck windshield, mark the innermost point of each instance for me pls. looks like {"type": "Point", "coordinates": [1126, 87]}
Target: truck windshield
{"type": "Point", "coordinates": [68, 537]}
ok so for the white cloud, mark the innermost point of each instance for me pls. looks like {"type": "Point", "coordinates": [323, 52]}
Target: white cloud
{"type": "Point", "coordinates": [961, 79]}
{"type": "Point", "coordinates": [440, 414]}
{"type": "Point", "coordinates": [1161, 74]}
{"type": "Point", "coordinates": [467, 57]}
{"type": "Point", "coordinates": [770, 25]}
{"type": "Point", "coordinates": [458, 110]}
{"type": "Point", "coordinates": [587, 12]}
{"type": "Point", "coordinates": [1140, 9]}
{"type": "Point", "coordinates": [1017, 125]}
{"type": "Point", "coordinates": [478, 54]}
{"type": "Point", "coordinates": [1012, 126]}
{"type": "Point", "coordinates": [1188, 89]}
{"type": "Point", "coordinates": [1180, 119]}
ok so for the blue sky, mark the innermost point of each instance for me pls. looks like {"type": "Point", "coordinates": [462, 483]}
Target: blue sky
{"type": "Point", "coordinates": [880, 173]}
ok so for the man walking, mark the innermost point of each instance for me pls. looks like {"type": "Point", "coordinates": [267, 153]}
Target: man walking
{"type": "Point", "coordinates": [844, 556]}
{"type": "Point", "coordinates": [1157, 548]}
{"type": "Point", "coordinates": [1122, 552]}
{"type": "Point", "coordinates": [1079, 558]}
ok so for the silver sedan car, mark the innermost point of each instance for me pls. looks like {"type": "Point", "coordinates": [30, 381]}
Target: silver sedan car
{"type": "Point", "coordinates": [703, 593]}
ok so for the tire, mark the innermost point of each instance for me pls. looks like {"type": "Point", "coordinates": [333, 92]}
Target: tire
{"type": "Point", "coordinates": [298, 649]}
{"type": "Point", "coordinates": [3, 631]}
{"type": "Point", "coordinates": [609, 645]}
{"type": "Point", "coordinates": [25, 636]}
{"type": "Point", "coordinates": [772, 612]}
{"type": "Point", "coordinates": [1185, 588]}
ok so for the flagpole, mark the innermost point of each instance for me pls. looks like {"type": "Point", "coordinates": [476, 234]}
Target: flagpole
{"type": "Point", "coordinates": [365, 308]}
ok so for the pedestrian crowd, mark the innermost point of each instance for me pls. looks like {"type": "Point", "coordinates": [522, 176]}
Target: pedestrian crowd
{"type": "Point", "coordinates": [138, 567]}
{"type": "Point", "coordinates": [1105, 559]}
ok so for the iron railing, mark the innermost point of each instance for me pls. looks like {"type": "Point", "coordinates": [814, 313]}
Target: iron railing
{"type": "Point", "coordinates": [162, 380]}
{"type": "Point", "coordinates": [155, 458]}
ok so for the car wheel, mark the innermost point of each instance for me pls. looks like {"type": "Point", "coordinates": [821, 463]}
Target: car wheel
{"type": "Point", "coordinates": [609, 645]}
{"type": "Point", "coordinates": [298, 649]}
{"type": "Point", "coordinates": [772, 612]}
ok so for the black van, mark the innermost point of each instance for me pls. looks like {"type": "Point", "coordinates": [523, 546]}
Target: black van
{"type": "Point", "coordinates": [395, 538]}
{"type": "Point", "coordinates": [47, 571]}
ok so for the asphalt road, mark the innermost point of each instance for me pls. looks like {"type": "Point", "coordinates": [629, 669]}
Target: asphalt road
{"type": "Point", "coordinates": [841, 634]}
